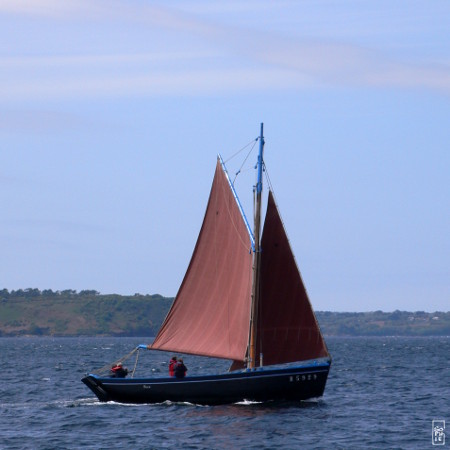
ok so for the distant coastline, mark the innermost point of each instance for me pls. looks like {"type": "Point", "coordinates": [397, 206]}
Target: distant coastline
{"type": "Point", "coordinates": [31, 312]}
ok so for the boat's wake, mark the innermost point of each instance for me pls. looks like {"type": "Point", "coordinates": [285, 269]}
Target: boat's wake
{"type": "Point", "coordinates": [248, 402]}
{"type": "Point", "coordinates": [88, 401]}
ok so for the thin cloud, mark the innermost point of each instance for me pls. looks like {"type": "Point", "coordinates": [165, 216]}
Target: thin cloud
{"type": "Point", "coordinates": [161, 83]}
{"type": "Point", "coordinates": [341, 64]}
{"type": "Point", "coordinates": [46, 61]}
{"type": "Point", "coordinates": [254, 59]}
{"type": "Point", "coordinates": [44, 8]}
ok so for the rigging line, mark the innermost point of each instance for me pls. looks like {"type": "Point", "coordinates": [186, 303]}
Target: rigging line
{"type": "Point", "coordinates": [120, 360]}
{"type": "Point", "coordinates": [243, 148]}
{"type": "Point", "coordinates": [245, 160]}
{"type": "Point", "coordinates": [135, 364]}
{"type": "Point", "coordinates": [269, 183]}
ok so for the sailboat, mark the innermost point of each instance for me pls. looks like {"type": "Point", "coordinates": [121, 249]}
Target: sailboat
{"type": "Point", "coordinates": [242, 299]}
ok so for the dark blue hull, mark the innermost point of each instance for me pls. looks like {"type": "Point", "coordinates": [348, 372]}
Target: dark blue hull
{"type": "Point", "coordinates": [286, 384]}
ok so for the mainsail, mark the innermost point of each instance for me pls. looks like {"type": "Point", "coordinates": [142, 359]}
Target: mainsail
{"type": "Point", "coordinates": [287, 327]}
{"type": "Point", "coordinates": [211, 312]}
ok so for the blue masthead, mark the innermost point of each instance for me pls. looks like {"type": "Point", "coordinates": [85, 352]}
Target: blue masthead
{"type": "Point", "coordinates": [260, 161]}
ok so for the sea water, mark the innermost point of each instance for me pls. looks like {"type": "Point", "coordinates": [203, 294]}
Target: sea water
{"type": "Point", "coordinates": [381, 393]}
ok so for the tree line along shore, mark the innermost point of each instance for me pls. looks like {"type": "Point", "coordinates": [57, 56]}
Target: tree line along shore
{"type": "Point", "coordinates": [32, 312]}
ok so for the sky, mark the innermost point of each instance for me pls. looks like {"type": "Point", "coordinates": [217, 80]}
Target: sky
{"type": "Point", "coordinates": [112, 114]}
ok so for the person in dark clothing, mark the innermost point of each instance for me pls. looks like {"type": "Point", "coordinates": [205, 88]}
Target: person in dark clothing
{"type": "Point", "coordinates": [180, 369]}
{"type": "Point", "coordinates": [118, 371]}
{"type": "Point", "coordinates": [172, 365]}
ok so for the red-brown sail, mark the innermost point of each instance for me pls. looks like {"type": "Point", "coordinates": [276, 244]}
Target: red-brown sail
{"type": "Point", "coordinates": [287, 327]}
{"type": "Point", "coordinates": [211, 312]}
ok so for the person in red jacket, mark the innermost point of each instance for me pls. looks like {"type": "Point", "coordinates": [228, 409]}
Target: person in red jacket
{"type": "Point", "coordinates": [118, 371]}
{"type": "Point", "coordinates": [172, 365]}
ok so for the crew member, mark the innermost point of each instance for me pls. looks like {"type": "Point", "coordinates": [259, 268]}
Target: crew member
{"type": "Point", "coordinates": [180, 369]}
{"type": "Point", "coordinates": [118, 371]}
{"type": "Point", "coordinates": [172, 365]}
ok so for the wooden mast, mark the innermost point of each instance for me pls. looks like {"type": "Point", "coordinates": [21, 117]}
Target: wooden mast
{"type": "Point", "coordinates": [251, 363]}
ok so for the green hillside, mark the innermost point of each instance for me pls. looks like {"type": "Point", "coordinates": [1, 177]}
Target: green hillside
{"type": "Point", "coordinates": [87, 313]}
{"type": "Point", "coordinates": [378, 323]}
